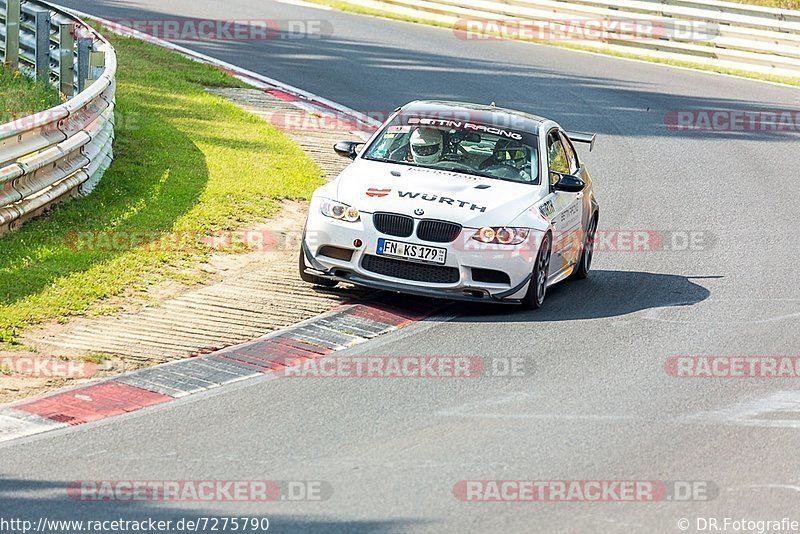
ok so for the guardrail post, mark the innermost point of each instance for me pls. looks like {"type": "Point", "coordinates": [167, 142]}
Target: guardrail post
{"type": "Point", "coordinates": [66, 59]}
{"type": "Point", "coordinates": [84, 51]}
{"type": "Point", "coordinates": [68, 166]}
{"type": "Point", "coordinates": [97, 64]}
{"type": "Point", "coordinates": [43, 46]}
{"type": "Point", "coordinates": [12, 34]}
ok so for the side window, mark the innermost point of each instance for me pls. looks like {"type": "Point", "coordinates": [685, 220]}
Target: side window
{"type": "Point", "coordinates": [572, 157]}
{"type": "Point", "coordinates": [556, 156]}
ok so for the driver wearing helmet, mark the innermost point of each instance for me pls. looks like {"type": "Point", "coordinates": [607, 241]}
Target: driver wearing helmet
{"type": "Point", "coordinates": [427, 146]}
{"type": "Point", "coordinates": [512, 154]}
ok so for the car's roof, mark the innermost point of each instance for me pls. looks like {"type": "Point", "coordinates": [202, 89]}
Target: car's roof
{"type": "Point", "coordinates": [480, 113]}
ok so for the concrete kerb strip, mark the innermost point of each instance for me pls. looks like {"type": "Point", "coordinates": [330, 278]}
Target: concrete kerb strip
{"type": "Point", "coordinates": [339, 329]}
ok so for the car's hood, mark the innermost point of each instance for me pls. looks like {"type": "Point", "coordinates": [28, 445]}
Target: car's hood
{"type": "Point", "coordinates": [472, 201]}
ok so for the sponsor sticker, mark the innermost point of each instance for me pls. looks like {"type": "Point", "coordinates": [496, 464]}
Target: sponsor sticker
{"type": "Point", "coordinates": [378, 193]}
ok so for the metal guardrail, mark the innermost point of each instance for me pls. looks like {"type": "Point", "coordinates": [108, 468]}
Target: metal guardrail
{"type": "Point", "coordinates": [735, 36]}
{"type": "Point", "coordinates": [62, 152]}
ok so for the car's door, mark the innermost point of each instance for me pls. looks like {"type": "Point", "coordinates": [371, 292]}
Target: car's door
{"type": "Point", "coordinates": [565, 208]}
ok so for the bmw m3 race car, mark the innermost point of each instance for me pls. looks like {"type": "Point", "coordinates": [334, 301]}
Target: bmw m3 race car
{"type": "Point", "coordinates": [459, 201]}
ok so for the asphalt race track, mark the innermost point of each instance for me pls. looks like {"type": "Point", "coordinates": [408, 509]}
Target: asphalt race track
{"type": "Point", "coordinates": [594, 402]}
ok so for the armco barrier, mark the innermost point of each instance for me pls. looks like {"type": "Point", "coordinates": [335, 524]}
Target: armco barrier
{"type": "Point", "coordinates": [723, 34]}
{"type": "Point", "coordinates": [64, 151]}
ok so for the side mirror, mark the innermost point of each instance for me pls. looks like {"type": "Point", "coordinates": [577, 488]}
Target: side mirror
{"type": "Point", "coordinates": [568, 183]}
{"type": "Point", "coordinates": [347, 149]}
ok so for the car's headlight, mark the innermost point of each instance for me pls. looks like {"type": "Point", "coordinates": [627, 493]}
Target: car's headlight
{"type": "Point", "coordinates": [337, 210]}
{"type": "Point", "coordinates": [502, 235]}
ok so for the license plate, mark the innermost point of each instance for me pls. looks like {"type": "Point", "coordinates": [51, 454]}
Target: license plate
{"type": "Point", "coordinates": [409, 251]}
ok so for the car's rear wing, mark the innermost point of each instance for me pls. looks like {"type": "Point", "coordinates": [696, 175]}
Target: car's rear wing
{"type": "Point", "coordinates": [583, 137]}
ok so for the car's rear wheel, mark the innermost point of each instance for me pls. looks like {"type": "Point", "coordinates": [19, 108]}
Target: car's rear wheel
{"type": "Point", "coordinates": [537, 289]}
{"type": "Point", "coordinates": [310, 278]}
{"type": "Point", "coordinates": [587, 254]}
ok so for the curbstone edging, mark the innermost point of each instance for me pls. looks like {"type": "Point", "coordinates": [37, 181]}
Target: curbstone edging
{"type": "Point", "coordinates": [339, 329]}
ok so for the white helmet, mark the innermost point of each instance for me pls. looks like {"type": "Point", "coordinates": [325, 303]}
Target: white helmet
{"type": "Point", "coordinates": [426, 145]}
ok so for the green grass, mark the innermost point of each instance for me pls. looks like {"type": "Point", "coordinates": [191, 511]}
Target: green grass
{"type": "Point", "coordinates": [20, 96]}
{"type": "Point", "coordinates": [784, 4]}
{"type": "Point", "coordinates": [96, 358]}
{"type": "Point", "coordinates": [185, 161]}
{"type": "Point", "coordinates": [360, 10]}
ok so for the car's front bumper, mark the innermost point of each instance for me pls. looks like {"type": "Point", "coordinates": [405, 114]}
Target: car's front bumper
{"type": "Point", "coordinates": [463, 255]}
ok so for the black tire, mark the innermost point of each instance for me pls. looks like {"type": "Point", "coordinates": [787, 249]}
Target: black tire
{"type": "Point", "coordinates": [537, 289]}
{"type": "Point", "coordinates": [310, 278]}
{"type": "Point", "coordinates": [581, 271]}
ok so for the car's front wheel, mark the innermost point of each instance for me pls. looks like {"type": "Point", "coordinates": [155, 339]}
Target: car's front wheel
{"type": "Point", "coordinates": [310, 278]}
{"type": "Point", "coordinates": [537, 289]}
{"type": "Point", "coordinates": [585, 264]}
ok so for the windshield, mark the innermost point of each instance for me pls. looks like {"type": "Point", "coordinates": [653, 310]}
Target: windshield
{"type": "Point", "coordinates": [459, 146]}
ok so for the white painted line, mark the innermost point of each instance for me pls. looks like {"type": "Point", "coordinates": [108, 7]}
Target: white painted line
{"type": "Point", "coordinates": [300, 3]}
{"type": "Point", "coordinates": [541, 416]}
{"type": "Point", "coordinates": [15, 424]}
{"type": "Point", "coordinates": [772, 486]}
{"type": "Point", "coordinates": [654, 314]}
{"type": "Point", "coordinates": [471, 409]}
{"type": "Point", "coordinates": [761, 412]}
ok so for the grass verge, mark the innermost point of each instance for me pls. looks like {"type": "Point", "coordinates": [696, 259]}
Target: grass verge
{"type": "Point", "coordinates": [783, 4]}
{"type": "Point", "coordinates": [20, 96]}
{"type": "Point", "coordinates": [362, 10]}
{"type": "Point", "coordinates": [186, 163]}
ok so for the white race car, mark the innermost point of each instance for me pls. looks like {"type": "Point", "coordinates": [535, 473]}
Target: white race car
{"type": "Point", "coordinates": [459, 201]}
